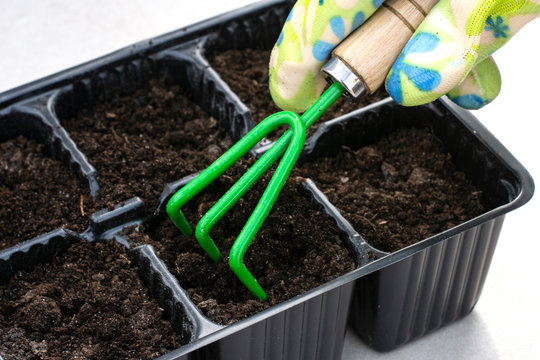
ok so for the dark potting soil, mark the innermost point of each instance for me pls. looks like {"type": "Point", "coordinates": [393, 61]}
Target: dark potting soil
{"type": "Point", "coordinates": [140, 142]}
{"type": "Point", "coordinates": [398, 191]}
{"type": "Point", "coordinates": [246, 72]}
{"type": "Point", "coordinates": [38, 194]}
{"type": "Point", "coordinates": [297, 248]}
{"type": "Point", "coordinates": [87, 304]}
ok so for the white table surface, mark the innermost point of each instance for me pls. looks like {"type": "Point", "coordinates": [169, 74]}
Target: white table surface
{"type": "Point", "coordinates": [41, 37]}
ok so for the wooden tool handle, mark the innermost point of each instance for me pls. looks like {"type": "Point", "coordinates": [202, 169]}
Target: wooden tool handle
{"type": "Point", "coordinates": [371, 50]}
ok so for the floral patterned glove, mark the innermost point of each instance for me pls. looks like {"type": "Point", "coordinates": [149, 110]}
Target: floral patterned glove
{"type": "Point", "coordinates": [448, 54]}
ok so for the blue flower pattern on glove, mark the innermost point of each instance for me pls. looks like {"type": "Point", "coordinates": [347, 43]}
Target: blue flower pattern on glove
{"type": "Point", "coordinates": [338, 26]}
{"type": "Point", "coordinates": [498, 27]}
{"type": "Point", "coordinates": [471, 101]}
{"type": "Point", "coordinates": [321, 49]}
{"type": "Point", "coordinates": [358, 19]}
{"type": "Point", "coordinates": [424, 79]}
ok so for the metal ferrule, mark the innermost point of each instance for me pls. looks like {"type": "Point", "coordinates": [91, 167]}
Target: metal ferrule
{"type": "Point", "coordinates": [341, 73]}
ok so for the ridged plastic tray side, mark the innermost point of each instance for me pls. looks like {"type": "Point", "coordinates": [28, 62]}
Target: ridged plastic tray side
{"type": "Point", "coordinates": [442, 282]}
{"type": "Point", "coordinates": [312, 330]}
{"type": "Point", "coordinates": [428, 290]}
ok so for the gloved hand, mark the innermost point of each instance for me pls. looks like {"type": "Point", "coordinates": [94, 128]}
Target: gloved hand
{"type": "Point", "coordinates": [450, 53]}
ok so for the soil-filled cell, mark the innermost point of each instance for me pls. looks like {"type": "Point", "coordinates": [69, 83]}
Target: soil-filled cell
{"type": "Point", "coordinates": [140, 142]}
{"type": "Point", "coordinates": [399, 190]}
{"type": "Point", "coordinates": [87, 303]}
{"type": "Point", "coordinates": [297, 248]}
{"type": "Point", "coordinates": [246, 72]}
{"type": "Point", "coordinates": [39, 194]}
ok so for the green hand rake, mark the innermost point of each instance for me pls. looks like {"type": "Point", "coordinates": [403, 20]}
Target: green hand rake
{"type": "Point", "coordinates": [356, 52]}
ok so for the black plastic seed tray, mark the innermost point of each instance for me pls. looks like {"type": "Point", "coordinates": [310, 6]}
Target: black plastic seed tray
{"type": "Point", "coordinates": [438, 280]}
{"type": "Point", "coordinates": [389, 299]}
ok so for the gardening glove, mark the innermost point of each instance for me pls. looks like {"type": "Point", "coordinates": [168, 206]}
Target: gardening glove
{"type": "Point", "coordinates": [448, 54]}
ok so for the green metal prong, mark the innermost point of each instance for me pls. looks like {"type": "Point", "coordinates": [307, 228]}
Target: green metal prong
{"type": "Point", "coordinates": [230, 198]}
{"type": "Point", "coordinates": [179, 219]}
{"type": "Point", "coordinates": [218, 167]}
{"type": "Point", "coordinates": [225, 161]}
{"type": "Point", "coordinates": [208, 221]}
{"type": "Point", "coordinates": [237, 265]}
{"type": "Point", "coordinates": [263, 207]}
{"type": "Point", "coordinates": [324, 101]}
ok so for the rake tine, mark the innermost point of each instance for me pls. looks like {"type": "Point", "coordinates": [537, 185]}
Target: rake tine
{"type": "Point", "coordinates": [217, 168]}
{"type": "Point", "coordinates": [295, 138]}
{"type": "Point", "coordinates": [236, 255]}
{"type": "Point", "coordinates": [205, 225]}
